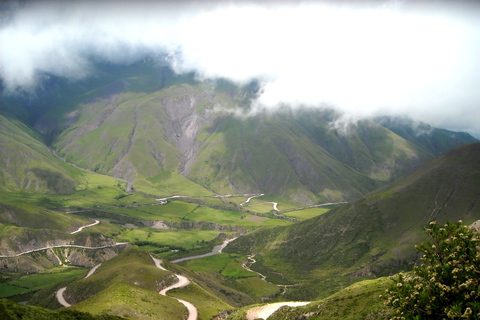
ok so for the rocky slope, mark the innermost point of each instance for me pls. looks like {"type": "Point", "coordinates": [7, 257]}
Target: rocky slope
{"type": "Point", "coordinates": [167, 134]}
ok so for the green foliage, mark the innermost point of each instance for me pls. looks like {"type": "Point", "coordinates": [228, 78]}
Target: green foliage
{"type": "Point", "coordinates": [12, 311]}
{"type": "Point", "coordinates": [447, 283]}
{"type": "Point", "coordinates": [34, 282]}
{"type": "Point", "coordinates": [373, 236]}
{"type": "Point", "coordinates": [356, 302]}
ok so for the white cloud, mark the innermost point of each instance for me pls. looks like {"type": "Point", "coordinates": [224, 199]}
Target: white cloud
{"type": "Point", "coordinates": [382, 58]}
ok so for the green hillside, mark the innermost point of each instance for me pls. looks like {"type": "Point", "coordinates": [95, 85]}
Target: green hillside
{"type": "Point", "coordinates": [15, 311]}
{"type": "Point", "coordinates": [355, 302]}
{"type": "Point", "coordinates": [26, 163]}
{"type": "Point", "coordinates": [372, 236]}
{"type": "Point", "coordinates": [107, 147]}
{"type": "Point", "coordinates": [128, 285]}
{"type": "Point", "coordinates": [166, 134]}
{"type": "Point", "coordinates": [435, 140]}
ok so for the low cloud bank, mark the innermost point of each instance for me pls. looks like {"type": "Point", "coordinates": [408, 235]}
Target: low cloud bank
{"type": "Point", "coordinates": [383, 57]}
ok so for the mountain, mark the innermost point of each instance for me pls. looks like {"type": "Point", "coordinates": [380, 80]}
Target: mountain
{"type": "Point", "coordinates": [28, 164]}
{"type": "Point", "coordinates": [128, 285]}
{"type": "Point", "coordinates": [167, 134]}
{"type": "Point", "coordinates": [374, 235]}
{"type": "Point", "coordinates": [434, 140]}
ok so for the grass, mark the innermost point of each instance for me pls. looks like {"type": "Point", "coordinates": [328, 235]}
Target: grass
{"type": "Point", "coordinates": [179, 211]}
{"type": "Point", "coordinates": [358, 301]}
{"type": "Point", "coordinates": [188, 239]}
{"type": "Point", "coordinates": [308, 213]}
{"type": "Point", "coordinates": [7, 290]}
{"type": "Point", "coordinates": [35, 282]}
{"type": "Point", "coordinates": [12, 311]}
{"type": "Point", "coordinates": [132, 302]}
{"type": "Point", "coordinates": [31, 210]}
{"type": "Point", "coordinates": [229, 266]}
{"type": "Point", "coordinates": [373, 236]}
{"type": "Point", "coordinates": [133, 267]}
{"type": "Point", "coordinates": [257, 288]}
{"type": "Point", "coordinates": [207, 304]}
{"type": "Point", "coordinates": [173, 211]}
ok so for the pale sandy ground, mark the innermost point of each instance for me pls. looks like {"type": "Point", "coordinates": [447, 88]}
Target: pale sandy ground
{"type": "Point", "coordinates": [158, 263]}
{"type": "Point", "coordinates": [254, 196]}
{"type": "Point", "coordinates": [266, 311]}
{"type": "Point", "coordinates": [182, 282]}
{"type": "Point", "coordinates": [90, 225]}
{"type": "Point", "coordinates": [216, 250]}
{"type": "Point", "coordinates": [61, 299]}
{"type": "Point", "coordinates": [92, 270]}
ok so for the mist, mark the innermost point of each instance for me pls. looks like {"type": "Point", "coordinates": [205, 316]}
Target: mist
{"type": "Point", "coordinates": [414, 59]}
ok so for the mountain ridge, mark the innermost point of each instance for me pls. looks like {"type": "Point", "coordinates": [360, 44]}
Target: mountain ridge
{"type": "Point", "coordinates": [164, 133]}
{"type": "Point", "coordinates": [375, 235]}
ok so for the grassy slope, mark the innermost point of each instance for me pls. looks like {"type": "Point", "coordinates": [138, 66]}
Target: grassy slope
{"type": "Point", "coordinates": [229, 266]}
{"type": "Point", "coordinates": [436, 141]}
{"type": "Point", "coordinates": [13, 311]}
{"type": "Point", "coordinates": [146, 125]}
{"type": "Point", "coordinates": [366, 146]}
{"type": "Point", "coordinates": [274, 156]}
{"type": "Point", "coordinates": [128, 285]}
{"type": "Point", "coordinates": [130, 135]}
{"type": "Point", "coordinates": [26, 163]}
{"type": "Point", "coordinates": [376, 234]}
{"type": "Point", "coordinates": [358, 301]}
{"type": "Point", "coordinates": [13, 285]}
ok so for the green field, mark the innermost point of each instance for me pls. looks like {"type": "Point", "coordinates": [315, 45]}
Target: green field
{"type": "Point", "coordinates": [308, 213]}
{"type": "Point", "coordinates": [132, 302]}
{"type": "Point", "coordinates": [229, 266]}
{"type": "Point", "coordinates": [172, 211]}
{"type": "Point", "coordinates": [207, 304]}
{"type": "Point", "coordinates": [35, 282]}
{"type": "Point", "coordinates": [188, 239]}
{"type": "Point", "coordinates": [180, 211]}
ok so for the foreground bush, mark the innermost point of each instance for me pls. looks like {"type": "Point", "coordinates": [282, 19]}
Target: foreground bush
{"type": "Point", "coordinates": [446, 285]}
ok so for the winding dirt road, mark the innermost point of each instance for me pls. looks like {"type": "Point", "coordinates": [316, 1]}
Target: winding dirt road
{"type": "Point", "coordinates": [182, 282]}
{"type": "Point", "coordinates": [263, 312]}
{"type": "Point", "coordinates": [59, 294]}
{"type": "Point", "coordinates": [216, 250]}
{"type": "Point", "coordinates": [254, 196]}
{"type": "Point", "coordinates": [61, 299]}
{"type": "Point", "coordinates": [89, 225]}
{"type": "Point", "coordinates": [64, 246]}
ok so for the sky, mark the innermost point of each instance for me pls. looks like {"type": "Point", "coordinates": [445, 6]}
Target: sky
{"type": "Point", "coordinates": [408, 58]}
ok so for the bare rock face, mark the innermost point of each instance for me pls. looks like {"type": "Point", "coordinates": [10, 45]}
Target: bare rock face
{"type": "Point", "coordinates": [476, 226]}
{"type": "Point", "coordinates": [37, 262]}
{"type": "Point", "coordinates": [90, 258]}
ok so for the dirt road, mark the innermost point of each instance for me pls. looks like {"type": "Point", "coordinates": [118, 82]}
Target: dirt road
{"type": "Point", "coordinates": [182, 282]}
{"type": "Point", "coordinates": [263, 312]}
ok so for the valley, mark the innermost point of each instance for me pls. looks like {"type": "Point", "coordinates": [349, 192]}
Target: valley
{"type": "Point", "coordinates": [140, 181]}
